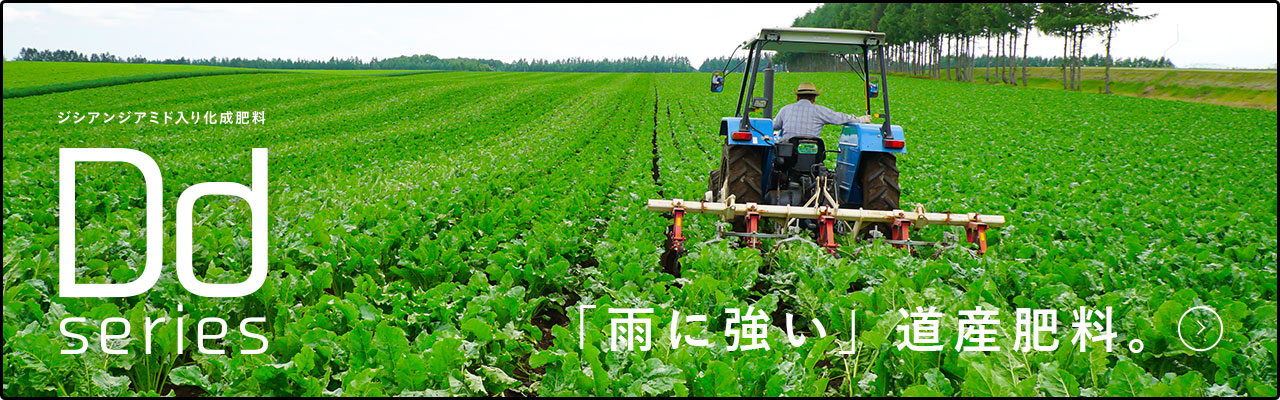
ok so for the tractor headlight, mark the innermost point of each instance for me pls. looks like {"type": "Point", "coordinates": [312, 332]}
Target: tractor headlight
{"type": "Point", "coordinates": [759, 102]}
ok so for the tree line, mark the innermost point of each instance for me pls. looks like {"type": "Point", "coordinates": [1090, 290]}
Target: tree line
{"type": "Point", "coordinates": [29, 54]}
{"type": "Point", "coordinates": [1096, 60]}
{"type": "Point", "coordinates": [735, 64]}
{"type": "Point", "coordinates": [414, 62]}
{"type": "Point", "coordinates": [627, 64]}
{"type": "Point", "coordinates": [940, 40]}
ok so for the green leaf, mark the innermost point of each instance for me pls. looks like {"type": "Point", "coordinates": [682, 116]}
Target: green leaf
{"type": "Point", "coordinates": [982, 381]}
{"type": "Point", "coordinates": [474, 383]}
{"type": "Point", "coordinates": [391, 344]}
{"type": "Point", "coordinates": [1025, 387]}
{"type": "Point", "coordinates": [1128, 380]}
{"type": "Point", "coordinates": [1259, 389]}
{"type": "Point", "coordinates": [720, 380]}
{"type": "Point", "coordinates": [540, 358]}
{"type": "Point", "coordinates": [188, 375]}
{"type": "Point", "coordinates": [1055, 382]}
{"type": "Point", "coordinates": [659, 378]}
{"type": "Point", "coordinates": [359, 346]}
{"type": "Point", "coordinates": [412, 372]}
{"type": "Point", "coordinates": [362, 383]}
{"type": "Point", "coordinates": [499, 379]}
{"type": "Point", "coordinates": [111, 385]}
{"type": "Point", "coordinates": [482, 331]}
{"type": "Point", "coordinates": [938, 382]}
{"type": "Point", "coordinates": [305, 360]}
{"type": "Point", "coordinates": [921, 391]}
{"type": "Point", "coordinates": [1191, 384]}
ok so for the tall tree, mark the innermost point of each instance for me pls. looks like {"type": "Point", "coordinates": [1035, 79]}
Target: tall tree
{"type": "Point", "coordinates": [1072, 21]}
{"type": "Point", "coordinates": [1114, 14]}
{"type": "Point", "coordinates": [1026, 14]}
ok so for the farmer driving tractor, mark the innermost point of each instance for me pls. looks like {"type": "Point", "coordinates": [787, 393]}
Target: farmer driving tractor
{"type": "Point", "coordinates": [806, 119]}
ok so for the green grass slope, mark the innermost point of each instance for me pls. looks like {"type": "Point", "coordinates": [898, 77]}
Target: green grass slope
{"type": "Point", "coordinates": [1237, 88]}
{"type": "Point", "coordinates": [25, 78]}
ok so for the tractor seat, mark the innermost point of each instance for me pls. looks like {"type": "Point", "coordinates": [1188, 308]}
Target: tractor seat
{"type": "Point", "coordinates": [800, 154]}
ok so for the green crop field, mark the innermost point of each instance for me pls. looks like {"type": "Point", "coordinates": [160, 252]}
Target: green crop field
{"type": "Point", "coordinates": [436, 234]}
{"type": "Point", "coordinates": [30, 78]}
{"type": "Point", "coordinates": [19, 74]}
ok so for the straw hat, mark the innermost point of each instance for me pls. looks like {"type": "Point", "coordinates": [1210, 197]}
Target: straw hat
{"type": "Point", "coordinates": [807, 88]}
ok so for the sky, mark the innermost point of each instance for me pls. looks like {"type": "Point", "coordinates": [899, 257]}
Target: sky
{"type": "Point", "coordinates": [1191, 35]}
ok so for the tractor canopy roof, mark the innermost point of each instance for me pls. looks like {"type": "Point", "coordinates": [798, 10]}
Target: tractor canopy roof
{"type": "Point", "coordinates": [816, 40]}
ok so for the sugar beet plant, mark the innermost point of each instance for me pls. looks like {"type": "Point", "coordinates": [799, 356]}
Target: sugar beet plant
{"type": "Point", "coordinates": [440, 234]}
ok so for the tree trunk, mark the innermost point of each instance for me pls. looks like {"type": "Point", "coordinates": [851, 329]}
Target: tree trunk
{"type": "Point", "coordinates": [973, 60]}
{"type": "Point", "coordinates": [1075, 62]}
{"type": "Point", "coordinates": [1009, 53]}
{"type": "Point", "coordinates": [1106, 76]}
{"type": "Point", "coordinates": [1004, 58]}
{"type": "Point", "coordinates": [969, 61]}
{"type": "Point", "coordinates": [950, 58]}
{"type": "Point", "coordinates": [1000, 55]}
{"type": "Point", "coordinates": [1066, 38]}
{"type": "Point", "coordinates": [937, 58]}
{"type": "Point", "coordinates": [933, 55]}
{"type": "Point", "coordinates": [915, 58]}
{"type": "Point", "coordinates": [1003, 47]}
{"type": "Point", "coordinates": [988, 63]}
{"type": "Point", "coordinates": [999, 59]}
{"type": "Point", "coordinates": [1013, 59]}
{"type": "Point", "coordinates": [1079, 57]}
{"type": "Point", "coordinates": [1010, 57]}
{"type": "Point", "coordinates": [1071, 63]}
{"type": "Point", "coordinates": [1026, 34]}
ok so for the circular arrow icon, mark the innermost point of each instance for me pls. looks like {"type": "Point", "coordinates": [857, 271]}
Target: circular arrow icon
{"type": "Point", "coordinates": [1204, 317]}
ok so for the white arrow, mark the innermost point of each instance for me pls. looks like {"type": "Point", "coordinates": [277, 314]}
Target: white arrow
{"type": "Point", "coordinates": [1202, 327]}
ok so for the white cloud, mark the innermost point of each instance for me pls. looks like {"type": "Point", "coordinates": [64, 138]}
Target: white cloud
{"type": "Point", "coordinates": [12, 13]}
{"type": "Point", "coordinates": [1208, 33]}
{"type": "Point", "coordinates": [103, 14]}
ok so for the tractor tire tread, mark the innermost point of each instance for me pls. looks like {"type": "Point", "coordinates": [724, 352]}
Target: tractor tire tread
{"type": "Point", "coordinates": [880, 188]}
{"type": "Point", "coordinates": [744, 172]}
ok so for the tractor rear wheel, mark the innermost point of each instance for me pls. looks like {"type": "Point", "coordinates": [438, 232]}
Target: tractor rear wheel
{"type": "Point", "coordinates": [744, 172]}
{"type": "Point", "coordinates": [715, 181]}
{"type": "Point", "coordinates": [880, 188]}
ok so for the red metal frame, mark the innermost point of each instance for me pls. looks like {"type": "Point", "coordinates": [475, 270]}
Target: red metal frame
{"type": "Point", "coordinates": [677, 233]}
{"type": "Point", "coordinates": [827, 233]}
{"type": "Point", "coordinates": [976, 232]}
{"type": "Point", "coordinates": [753, 224]}
{"type": "Point", "coordinates": [901, 231]}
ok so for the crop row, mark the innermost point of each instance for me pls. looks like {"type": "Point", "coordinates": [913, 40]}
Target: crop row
{"type": "Point", "coordinates": [436, 234]}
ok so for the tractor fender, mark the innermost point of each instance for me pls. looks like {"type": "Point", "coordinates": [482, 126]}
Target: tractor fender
{"type": "Point", "coordinates": [856, 139]}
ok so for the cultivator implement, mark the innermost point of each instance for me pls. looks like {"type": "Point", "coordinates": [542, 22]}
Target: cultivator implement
{"type": "Point", "coordinates": [777, 183]}
{"type": "Point", "coordinates": [899, 221]}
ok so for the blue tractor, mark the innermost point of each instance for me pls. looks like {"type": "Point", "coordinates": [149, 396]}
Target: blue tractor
{"type": "Point", "coordinates": [770, 189]}
{"type": "Point", "coordinates": [755, 168]}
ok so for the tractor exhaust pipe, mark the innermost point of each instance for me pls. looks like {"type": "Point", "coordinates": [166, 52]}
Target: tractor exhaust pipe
{"type": "Point", "coordinates": [768, 90]}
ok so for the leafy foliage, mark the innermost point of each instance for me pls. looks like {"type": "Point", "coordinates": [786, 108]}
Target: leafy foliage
{"type": "Point", "coordinates": [426, 245]}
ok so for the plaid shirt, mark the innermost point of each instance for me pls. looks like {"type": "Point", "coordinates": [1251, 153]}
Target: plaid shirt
{"type": "Point", "coordinates": [803, 118]}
